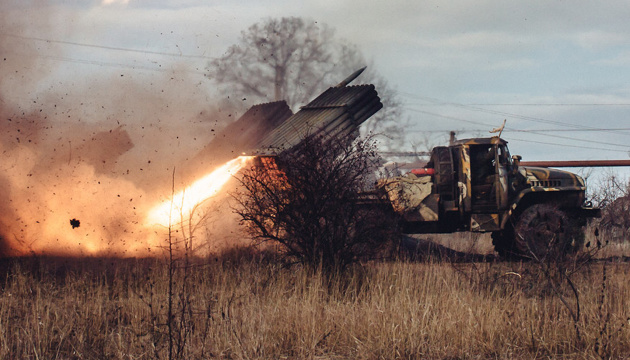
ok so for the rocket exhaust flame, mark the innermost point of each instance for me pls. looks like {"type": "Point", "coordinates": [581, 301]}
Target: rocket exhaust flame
{"type": "Point", "coordinates": [183, 204]}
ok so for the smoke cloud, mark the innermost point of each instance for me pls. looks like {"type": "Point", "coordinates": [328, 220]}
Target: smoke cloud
{"type": "Point", "coordinates": [84, 159]}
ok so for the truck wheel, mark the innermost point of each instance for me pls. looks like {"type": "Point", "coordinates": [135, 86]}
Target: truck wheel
{"type": "Point", "coordinates": [503, 242]}
{"type": "Point", "coordinates": [544, 232]}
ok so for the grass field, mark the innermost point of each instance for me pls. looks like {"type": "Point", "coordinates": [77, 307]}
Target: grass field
{"type": "Point", "coordinates": [241, 306]}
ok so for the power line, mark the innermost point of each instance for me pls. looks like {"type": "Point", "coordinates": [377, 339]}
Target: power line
{"type": "Point", "coordinates": [107, 64]}
{"type": "Point", "coordinates": [551, 104]}
{"type": "Point", "coordinates": [107, 47]}
{"type": "Point", "coordinates": [506, 114]}
{"type": "Point", "coordinates": [524, 104]}
{"type": "Point", "coordinates": [625, 146]}
{"type": "Point", "coordinates": [566, 145]}
{"type": "Point", "coordinates": [537, 133]}
{"type": "Point", "coordinates": [451, 117]}
{"type": "Point", "coordinates": [572, 130]}
{"type": "Point", "coordinates": [529, 130]}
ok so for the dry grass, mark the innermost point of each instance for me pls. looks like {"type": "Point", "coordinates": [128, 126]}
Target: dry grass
{"type": "Point", "coordinates": [254, 309]}
{"type": "Point", "coordinates": [469, 242]}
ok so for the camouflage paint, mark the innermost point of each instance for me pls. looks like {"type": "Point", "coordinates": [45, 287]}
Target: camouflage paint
{"type": "Point", "coordinates": [546, 180]}
{"type": "Point", "coordinates": [552, 178]}
{"type": "Point", "coordinates": [465, 174]}
{"type": "Point", "coordinates": [484, 222]}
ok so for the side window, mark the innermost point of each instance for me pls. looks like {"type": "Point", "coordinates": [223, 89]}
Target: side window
{"type": "Point", "coordinates": [504, 156]}
{"type": "Point", "coordinates": [483, 163]}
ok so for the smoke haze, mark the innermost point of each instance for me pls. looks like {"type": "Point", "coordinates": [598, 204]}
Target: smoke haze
{"type": "Point", "coordinates": [98, 149]}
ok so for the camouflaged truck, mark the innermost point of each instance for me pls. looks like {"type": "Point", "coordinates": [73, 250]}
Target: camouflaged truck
{"type": "Point", "coordinates": [475, 185]}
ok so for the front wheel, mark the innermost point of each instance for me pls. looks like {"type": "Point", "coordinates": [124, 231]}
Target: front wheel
{"type": "Point", "coordinates": [544, 232]}
{"type": "Point", "coordinates": [503, 242]}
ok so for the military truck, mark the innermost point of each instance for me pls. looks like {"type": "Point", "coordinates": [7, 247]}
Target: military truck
{"type": "Point", "coordinates": [475, 185]}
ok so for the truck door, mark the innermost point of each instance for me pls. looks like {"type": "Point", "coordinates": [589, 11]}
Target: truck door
{"type": "Point", "coordinates": [502, 162]}
{"type": "Point", "coordinates": [483, 165]}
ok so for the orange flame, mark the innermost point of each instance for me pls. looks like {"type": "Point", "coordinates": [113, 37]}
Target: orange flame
{"type": "Point", "coordinates": [184, 203]}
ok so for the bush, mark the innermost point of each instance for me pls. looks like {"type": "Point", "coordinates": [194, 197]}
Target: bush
{"type": "Point", "coordinates": [308, 201]}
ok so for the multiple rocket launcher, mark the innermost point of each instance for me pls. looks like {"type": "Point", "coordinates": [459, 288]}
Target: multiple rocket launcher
{"type": "Point", "coordinates": [272, 128]}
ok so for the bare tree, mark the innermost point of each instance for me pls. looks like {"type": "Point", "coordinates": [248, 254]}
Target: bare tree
{"type": "Point", "coordinates": [309, 203]}
{"type": "Point", "coordinates": [612, 195]}
{"type": "Point", "coordinates": [295, 59]}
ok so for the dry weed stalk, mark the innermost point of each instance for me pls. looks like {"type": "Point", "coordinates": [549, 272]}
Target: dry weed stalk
{"type": "Point", "coordinates": [244, 306]}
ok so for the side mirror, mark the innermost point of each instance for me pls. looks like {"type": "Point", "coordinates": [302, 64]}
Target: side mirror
{"type": "Point", "coordinates": [516, 160]}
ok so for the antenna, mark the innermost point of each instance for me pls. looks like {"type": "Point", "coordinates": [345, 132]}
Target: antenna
{"type": "Point", "coordinates": [499, 129]}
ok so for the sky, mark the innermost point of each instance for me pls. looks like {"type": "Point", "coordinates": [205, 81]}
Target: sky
{"type": "Point", "coordinates": [557, 71]}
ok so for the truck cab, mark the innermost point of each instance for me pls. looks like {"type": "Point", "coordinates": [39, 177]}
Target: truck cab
{"type": "Point", "coordinates": [473, 179]}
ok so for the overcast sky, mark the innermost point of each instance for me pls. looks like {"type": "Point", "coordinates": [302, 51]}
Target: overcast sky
{"type": "Point", "coordinates": [560, 68]}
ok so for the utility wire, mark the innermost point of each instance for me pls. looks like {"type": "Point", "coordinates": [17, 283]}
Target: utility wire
{"type": "Point", "coordinates": [537, 133]}
{"type": "Point", "coordinates": [103, 63]}
{"type": "Point", "coordinates": [506, 114]}
{"type": "Point", "coordinates": [106, 47]}
{"type": "Point", "coordinates": [571, 130]}
{"type": "Point", "coordinates": [451, 118]}
{"type": "Point", "coordinates": [424, 153]}
{"type": "Point", "coordinates": [566, 145]}
{"type": "Point", "coordinates": [520, 104]}
{"type": "Point", "coordinates": [515, 130]}
{"type": "Point", "coordinates": [551, 104]}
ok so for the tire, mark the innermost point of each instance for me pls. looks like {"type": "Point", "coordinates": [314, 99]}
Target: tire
{"type": "Point", "coordinates": [544, 232]}
{"type": "Point", "coordinates": [503, 242]}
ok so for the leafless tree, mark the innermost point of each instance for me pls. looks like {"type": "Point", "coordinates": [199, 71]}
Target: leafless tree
{"type": "Point", "coordinates": [295, 59]}
{"type": "Point", "coordinates": [309, 203]}
{"type": "Point", "coordinates": [612, 195]}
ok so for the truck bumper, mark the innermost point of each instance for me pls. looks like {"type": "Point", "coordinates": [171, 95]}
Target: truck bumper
{"type": "Point", "coordinates": [589, 212]}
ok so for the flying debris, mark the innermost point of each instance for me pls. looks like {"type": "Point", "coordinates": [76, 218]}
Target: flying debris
{"type": "Point", "coordinates": [75, 223]}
